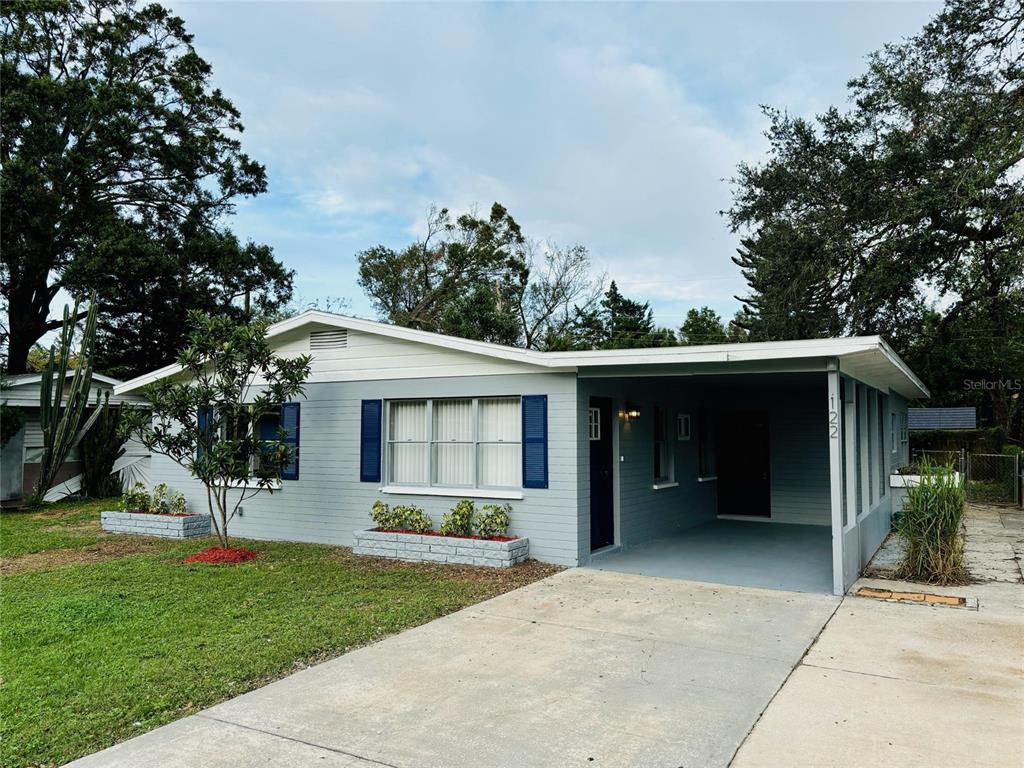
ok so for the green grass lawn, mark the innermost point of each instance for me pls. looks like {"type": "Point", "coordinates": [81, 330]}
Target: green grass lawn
{"type": "Point", "coordinates": [94, 653]}
{"type": "Point", "coordinates": [60, 526]}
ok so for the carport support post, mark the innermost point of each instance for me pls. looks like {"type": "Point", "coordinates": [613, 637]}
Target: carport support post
{"type": "Point", "coordinates": [835, 474]}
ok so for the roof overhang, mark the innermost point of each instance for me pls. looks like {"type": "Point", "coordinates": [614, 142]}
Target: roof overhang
{"type": "Point", "coordinates": [867, 358]}
{"type": "Point", "coordinates": [23, 389]}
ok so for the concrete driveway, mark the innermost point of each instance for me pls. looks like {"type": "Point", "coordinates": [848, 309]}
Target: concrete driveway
{"type": "Point", "coordinates": [899, 684]}
{"type": "Point", "coordinates": [584, 668]}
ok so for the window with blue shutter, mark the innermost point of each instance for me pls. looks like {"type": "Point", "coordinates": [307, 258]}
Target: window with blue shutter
{"type": "Point", "coordinates": [370, 441]}
{"type": "Point", "coordinates": [535, 441]}
{"type": "Point", "coordinates": [290, 423]}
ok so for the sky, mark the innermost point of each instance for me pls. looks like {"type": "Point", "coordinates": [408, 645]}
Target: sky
{"type": "Point", "coordinates": [616, 126]}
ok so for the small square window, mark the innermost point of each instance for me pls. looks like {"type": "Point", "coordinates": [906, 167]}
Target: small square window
{"type": "Point", "coordinates": [594, 423]}
{"type": "Point", "coordinates": [682, 426]}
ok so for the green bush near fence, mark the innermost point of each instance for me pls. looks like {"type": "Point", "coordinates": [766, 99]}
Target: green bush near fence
{"type": "Point", "coordinates": [930, 527]}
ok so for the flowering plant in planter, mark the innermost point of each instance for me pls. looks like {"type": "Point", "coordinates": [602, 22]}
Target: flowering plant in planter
{"type": "Point", "coordinates": [177, 503]}
{"type": "Point", "coordinates": [402, 518]}
{"type": "Point", "coordinates": [415, 519]}
{"type": "Point", "coordinates": [135, 499]}
{"type": "Point", "coordinates": [158, 503]}
{"type": "Point", "coordinates": [494, 521]}
{"type": "Point", "coordinates": [458, 521]}
{"type": "Point", "coordinates": [462, 521]}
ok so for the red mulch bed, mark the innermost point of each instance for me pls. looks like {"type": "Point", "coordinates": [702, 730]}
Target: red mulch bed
{"type": "Point", "coordinates": [224, 555]}
{"type": "Point", "coordinates": [438, 533]}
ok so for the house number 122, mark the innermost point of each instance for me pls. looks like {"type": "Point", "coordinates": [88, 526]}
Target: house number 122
{"type": "Point", "coordinates": [833, 418]}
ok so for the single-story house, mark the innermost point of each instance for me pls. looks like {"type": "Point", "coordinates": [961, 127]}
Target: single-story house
{"type": "Point", "coordinates": [965, 417]}
{"type": "Point", "coordinates": [598, 452]}
{"type": "Point", "coordinates": [20, 456]}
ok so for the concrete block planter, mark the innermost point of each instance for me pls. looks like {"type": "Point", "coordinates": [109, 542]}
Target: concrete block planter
{"type": "Point", "coordinates": [414, 547]}
{"type": "Point", "coordinates": [899, 485]}
{"type": "Point", "coordinates": [165, 526]}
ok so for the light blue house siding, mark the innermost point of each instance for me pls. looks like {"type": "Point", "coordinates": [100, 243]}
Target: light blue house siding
{"type": "Point", "coordinates": [835, 433]}
{"type": "Point", "coordinates": [328, 502]}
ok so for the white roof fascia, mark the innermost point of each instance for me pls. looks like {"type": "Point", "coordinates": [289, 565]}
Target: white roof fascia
{"type": "Point", "coordinates": [749, 352]}
{"type": "Point", "coordinates": [24, 379]}
{"type": "Point", "coordinates": [407, 334]}
{"type": "Point", "coordinates": [898, 362]}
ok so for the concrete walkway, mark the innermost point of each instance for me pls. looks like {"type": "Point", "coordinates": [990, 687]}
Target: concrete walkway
{"type": "Point", "coordinates": [912, 685]}
{"type": "Point", "coordinates": [584, 668]}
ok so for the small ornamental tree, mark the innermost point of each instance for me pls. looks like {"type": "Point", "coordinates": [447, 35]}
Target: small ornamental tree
{"type": "Point", "coordinates": [207, 419]}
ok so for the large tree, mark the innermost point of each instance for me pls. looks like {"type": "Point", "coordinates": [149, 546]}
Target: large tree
{"type": "Point", "coordinates": [702, 326]}
{"type": "Point", "coordinates": [479, 278]}
{"type": "Point", "coordinates": [902, 214]}
{"type": "Point", "coordinates": [118, 165]}
{"type": "Point", "coordinates": [618, 322]}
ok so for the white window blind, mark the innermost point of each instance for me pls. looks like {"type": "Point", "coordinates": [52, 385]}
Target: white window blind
{"type": "Point", "coordinates": [500, 438]}
{"type": "Point", "coordinates": [407, 442]}
{"type": "Point", "coordinates": [455, 443]}
{"type": "Point", "coordinates": [452, 443]}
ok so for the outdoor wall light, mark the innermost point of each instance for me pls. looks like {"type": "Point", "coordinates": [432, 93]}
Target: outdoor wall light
{"type": "Point", "coordinates": [629, 411]}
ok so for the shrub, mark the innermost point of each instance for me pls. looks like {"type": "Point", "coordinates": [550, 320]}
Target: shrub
{"type": "Point", "coordinates": [177, 504]}
{"type": "Point", "coordinates": [458, 521]}
{"type": "Point", "coordinates": [385, 517]}
{"type": "Point", "coordinates": [415, 519]}
{"type": "Point", "coordinates": [494, 520]}
{"type": "Point", "coordinates": [101, 446]}
{"type": "Point", "coordinates": [159, 504]}
{"type": "Point", "coordinates": [930, 529]}
{"type": "Point", "coordinates": [135, 499]}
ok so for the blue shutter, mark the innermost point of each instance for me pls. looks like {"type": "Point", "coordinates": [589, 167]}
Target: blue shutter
{"type": "Point", "coordinates": [370, 441]}
{"type": "Point", "coordinates": [535, 441]}
{"type": "Point", "coordinates": [203, 418]}
{"type": "Point", "coordinates": [290, 423]}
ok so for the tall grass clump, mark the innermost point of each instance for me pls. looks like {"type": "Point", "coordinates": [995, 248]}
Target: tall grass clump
{"type": "Point", "coordinates": [930, 528]}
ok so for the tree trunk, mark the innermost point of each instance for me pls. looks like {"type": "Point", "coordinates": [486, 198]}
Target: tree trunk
{"type": "Point", "coordinates": [27, 324]}
{"type": "Point", "coordinates": [19, 343]}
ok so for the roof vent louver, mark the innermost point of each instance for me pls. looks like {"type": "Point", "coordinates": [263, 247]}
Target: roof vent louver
{"type": "Point", "coordinates": [333, 339]}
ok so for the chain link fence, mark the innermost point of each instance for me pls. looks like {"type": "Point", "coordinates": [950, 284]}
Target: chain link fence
{"type": "Point", "coordinates": [954, 459]}
{"type": "Point", "coordinates": [993, 478]}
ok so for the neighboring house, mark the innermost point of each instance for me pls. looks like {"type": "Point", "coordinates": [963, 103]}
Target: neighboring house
{"type": "Point", "coordinates": [942, 418]}
{"type": "Point", "coordinates": [22, 453]}
{"type": "Point", "coordinates": [594, 450]}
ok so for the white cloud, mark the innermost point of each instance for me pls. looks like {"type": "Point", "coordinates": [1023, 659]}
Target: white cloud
{"type": "Point", "coordinates": [609, 125]}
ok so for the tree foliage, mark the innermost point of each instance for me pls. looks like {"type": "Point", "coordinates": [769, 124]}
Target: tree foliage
{"type": "Point", "coordinates": [479, 278]}
{"type": "Point", "coordinates": [120, 163]}
{"type": "Point", "coordinates": [231, 379]}
{"type": "Point", "coordinates": [903, 214]}
{"type": "Point", "coordinates": [702, 326]}
{"type": "Point", "coordinates": [617, 322]}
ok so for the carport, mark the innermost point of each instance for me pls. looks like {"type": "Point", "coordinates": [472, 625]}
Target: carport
{"type": "Point", "coordinates": [796, 558]}
{"type": "Point", "coordinates": [759, 465]}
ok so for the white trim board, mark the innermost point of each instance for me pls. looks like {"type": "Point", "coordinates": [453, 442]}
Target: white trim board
{"type": "Point", "coordinates": [869, 356]}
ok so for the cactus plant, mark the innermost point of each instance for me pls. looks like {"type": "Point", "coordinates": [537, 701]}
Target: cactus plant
{"type": "Point", "coordinates": [60, 412]}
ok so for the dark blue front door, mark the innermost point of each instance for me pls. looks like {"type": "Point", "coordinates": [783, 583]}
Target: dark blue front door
{"type": "Point", "coordinates": [602, 519]}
